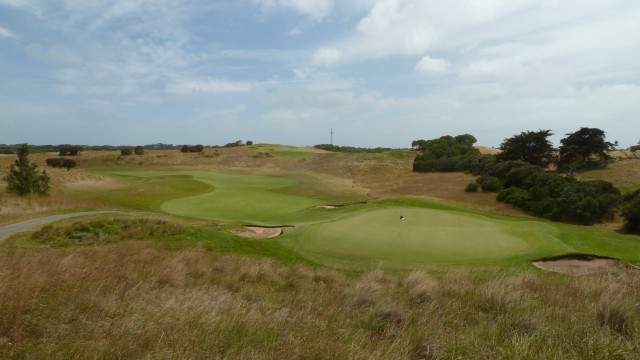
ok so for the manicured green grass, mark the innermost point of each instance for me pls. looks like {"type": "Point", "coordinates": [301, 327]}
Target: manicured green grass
{"type": "Point", "coordinates": [285, 151]}
{"type": "Point", "coordinates": [434, 234]}
{"type": "Point", "coordinates": [425, 238]}
{"type": "Point", "coordinates": [146, 190]}
{"type": "Point", "coordinates": [244, 198]}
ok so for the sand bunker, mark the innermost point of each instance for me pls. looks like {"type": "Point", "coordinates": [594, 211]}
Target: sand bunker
{"type": "Point", "coordinates": [328, 207]}
{"type": "Point", "coordinates": [259, 232]}
{"type": "Point", "coordinates": [581, 264]}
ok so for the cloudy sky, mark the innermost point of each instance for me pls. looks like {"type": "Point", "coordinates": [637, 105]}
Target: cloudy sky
{"type": "Point", "coordinates": [379, 72]}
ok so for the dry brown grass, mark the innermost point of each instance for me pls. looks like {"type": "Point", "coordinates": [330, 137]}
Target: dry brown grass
{"type": "Point", "coordinates": [142, 300]}
{"type": "Point", "coordinates": [624, 174]}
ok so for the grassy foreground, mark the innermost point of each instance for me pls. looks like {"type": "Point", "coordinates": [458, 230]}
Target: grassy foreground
{"type": "Point", "coordinates": [172, 299]}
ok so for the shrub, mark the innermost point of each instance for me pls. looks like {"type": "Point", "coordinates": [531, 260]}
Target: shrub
{"type": "Point", "coordinates": [125, 151]}
{"type": "Point", "coordinates": [61, 163]}
{"type": "Point", "coordinates": [139, 150]}
{"type": "Point", "coordinates": [631, 212]}
{"type": "Point", "coordinates": [489, 183]}
{"type": "Point", "coordinates": [472, 187]}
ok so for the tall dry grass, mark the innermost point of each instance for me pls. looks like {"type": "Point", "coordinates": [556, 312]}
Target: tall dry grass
{"type": "Point", "coordinates": [144, 300]}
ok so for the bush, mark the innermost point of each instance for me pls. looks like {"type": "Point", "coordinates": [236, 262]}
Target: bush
{"type": "Point", "coordinates": [61, 163]}
{"type": "Point", "coordinates": [125, 151]}
{"type": "Point", "coordinates": [489, 183]}
{"type": "Point", "coordinates": [631, 212]}
{"type": "Point", "coordinates": [473, 187]}
{"type": "Point", "coordinates": [189, 148]}
{"type": "Point", "coordinates": [139, 150]}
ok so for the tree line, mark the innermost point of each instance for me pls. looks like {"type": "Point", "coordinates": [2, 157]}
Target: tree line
{"type": "Point", "coordinates": [521, 174]}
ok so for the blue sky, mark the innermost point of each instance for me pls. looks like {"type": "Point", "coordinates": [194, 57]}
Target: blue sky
{"type": "Point", "coordinates": [379, 72]}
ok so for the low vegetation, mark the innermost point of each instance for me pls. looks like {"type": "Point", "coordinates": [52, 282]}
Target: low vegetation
{"type": "Point", "coordinates": [61, 163]}
{"type": "Point", "coordinates": [167, 299]}
{"type": "Point", "coordinates": [350, 149]}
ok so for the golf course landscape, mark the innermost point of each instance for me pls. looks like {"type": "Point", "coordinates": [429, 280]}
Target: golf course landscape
{"type": "Point", "coordinates": [430, 235]}
{"type": "Point", "coordinates": [360, 253]}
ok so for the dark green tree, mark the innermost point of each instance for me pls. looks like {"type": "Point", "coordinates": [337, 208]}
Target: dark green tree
{"type": "Point", "coordinates": [446, 153]}
{"type": "Point", "coordinates": [125, 151]}
{"type": "Point", "coordinates": [583, 149]}
{"type": "Point", "coordinates": [70, 150]}
{"type": "Point", "coordinates": [139, 150]}
{"type": "Point", "coordinates": [533, 147]}
{"type": "Point", "coordinates": [24, 178]}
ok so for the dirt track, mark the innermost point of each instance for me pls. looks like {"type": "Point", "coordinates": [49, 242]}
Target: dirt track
{"type": "Point", "coordinates": [9, 230]}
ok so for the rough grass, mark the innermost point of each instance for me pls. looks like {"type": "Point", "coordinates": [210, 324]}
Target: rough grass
{"type": "Point", "coordinates": [145, 299]}
{"type": "Point", "coordinates": [625, 174]}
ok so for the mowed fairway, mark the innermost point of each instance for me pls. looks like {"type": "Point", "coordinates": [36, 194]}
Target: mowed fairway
{"type": "Point", "coordinates": [426, 236]}
{"type": "Point", "coordinates": [243, 198]}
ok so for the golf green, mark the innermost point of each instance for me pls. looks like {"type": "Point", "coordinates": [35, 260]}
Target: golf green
{"type": "Point", "coordinates": [425, 236]}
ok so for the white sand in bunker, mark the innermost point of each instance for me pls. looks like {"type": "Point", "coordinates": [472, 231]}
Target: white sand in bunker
{"type": "Point", "coordinates": [328, 207]}
{"type": "Point", "coordinates": [582, 265]}
{"type": "Point", "coordinates": [259, 232]}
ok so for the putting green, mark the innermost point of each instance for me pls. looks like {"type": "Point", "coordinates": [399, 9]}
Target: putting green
{"type": "Point", "coordinates": [425, 236]}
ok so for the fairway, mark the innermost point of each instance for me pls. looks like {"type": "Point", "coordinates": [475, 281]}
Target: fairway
{"type": "Point", "coordinates": [243, 198]}
{"type": "Point", "coordinates": [425, 236]}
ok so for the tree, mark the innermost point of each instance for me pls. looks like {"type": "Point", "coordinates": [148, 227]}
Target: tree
{"type": "Point", "coordinates": [139, 150]}
{"type": "Point", "coordinates": [69, 150]}
{"type": "Point", "coordinates": [444, 154]}
{"type": "Point", "coordinates": [533, 147]}
{"type": "Point", "coordinates": [125, 151]}
{"type": "Point", "coordinates": [185, 148]}
{"type": "Point", "coordinates": [583, 149]}
{"type": "Point", "coordinates": [23, 178]}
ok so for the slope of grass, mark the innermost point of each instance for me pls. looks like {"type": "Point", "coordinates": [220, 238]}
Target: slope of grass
{"type": "Point", "coordinates": [146, 190]}
{"type": "Point", "coordinates": [141, 299]}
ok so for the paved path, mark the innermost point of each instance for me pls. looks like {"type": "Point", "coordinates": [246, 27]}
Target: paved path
{"type": "Point", "coordinates": [6, 231]}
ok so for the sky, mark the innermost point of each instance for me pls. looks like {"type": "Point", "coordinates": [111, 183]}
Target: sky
{"type": "Point", "coordinates": [380, 73]}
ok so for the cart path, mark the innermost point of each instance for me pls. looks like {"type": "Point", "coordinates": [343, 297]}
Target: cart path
{"type": "Point", "coordinates": [8, 230]}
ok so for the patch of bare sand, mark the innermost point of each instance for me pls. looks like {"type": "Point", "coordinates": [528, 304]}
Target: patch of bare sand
{"type": "Point", "coordinates": [259, 232]}
{"type": "Point", "coordinates": [582, 265]}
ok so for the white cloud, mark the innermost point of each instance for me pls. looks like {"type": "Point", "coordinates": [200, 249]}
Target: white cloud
{"type": "Point", "coordinates": [429, 65]}
{"type": "Point", "coordinates": [316, 9]}
{"type": "Point", "coordinates": [16, 3]}
{"type": "Point", "coordinates": [6, 33]}
{"type": "Point", "coordinates": [327, 57]}
{"type": "Point", "coordinates": [208, 86]}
